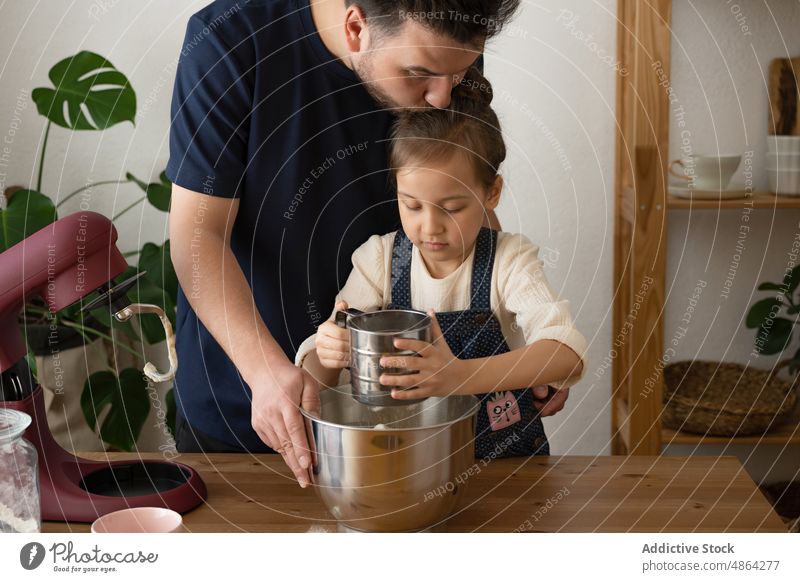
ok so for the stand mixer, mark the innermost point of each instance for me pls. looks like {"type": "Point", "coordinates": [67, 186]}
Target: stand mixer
{"type": "Point", "coordinates": [64, 263]}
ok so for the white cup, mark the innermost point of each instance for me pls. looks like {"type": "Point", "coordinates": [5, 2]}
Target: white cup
{"type": "Point", "coordinates": [707, 172]}
{"type": "Point", "coordinates": [783, 161]}
{"type": "Point", "coordinates": [139, 520]}
{"type": "Point", "coordinates": [783, 144]}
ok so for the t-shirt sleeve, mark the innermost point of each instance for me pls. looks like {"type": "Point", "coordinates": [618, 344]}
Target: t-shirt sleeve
{"type": "Point", "coordinates": [538, 312]}
{"type": "Point", "coordinates": [364, 288]}
{"type": "Point", "coordinates": [211, 105]}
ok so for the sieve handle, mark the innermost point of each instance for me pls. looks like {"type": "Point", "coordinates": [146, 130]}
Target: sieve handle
{"type": "Point", "coordinates": [342, 316]}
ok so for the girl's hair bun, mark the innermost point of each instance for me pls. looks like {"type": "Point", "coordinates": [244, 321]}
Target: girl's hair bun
{"type": "Point", "coordinates": [468, 127]}
{"type": "Point", "coordinates": [473, 93]}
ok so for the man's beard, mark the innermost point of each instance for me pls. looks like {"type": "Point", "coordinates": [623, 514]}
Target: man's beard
{"type": "Point", "coordinates": [364, 70]}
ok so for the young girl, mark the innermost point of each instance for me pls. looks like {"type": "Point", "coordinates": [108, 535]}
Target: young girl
{"type": "Point", "coordinates": [497, 324]}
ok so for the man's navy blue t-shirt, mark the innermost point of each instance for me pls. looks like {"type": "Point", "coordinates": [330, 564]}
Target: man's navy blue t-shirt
{"type": "Point", "coordinates": [262, 111]}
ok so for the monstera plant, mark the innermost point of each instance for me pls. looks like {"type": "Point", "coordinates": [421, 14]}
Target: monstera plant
{"type": "Point", "coordinates": [89, 94]}
{"type": "Point", "coordinates": [774, 331]}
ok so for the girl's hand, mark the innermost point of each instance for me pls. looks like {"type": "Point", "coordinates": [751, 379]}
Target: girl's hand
{"type": "Point", "coordinates": [333, 343]}
{"type": "Point", "coordinates": [440, 372]}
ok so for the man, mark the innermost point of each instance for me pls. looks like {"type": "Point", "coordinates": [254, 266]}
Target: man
{"type": "Point", "coordinates": [277, 155]}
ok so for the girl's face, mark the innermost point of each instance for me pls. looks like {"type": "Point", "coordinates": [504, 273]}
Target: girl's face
{"type": "Point", "coordinates": [442, 208]}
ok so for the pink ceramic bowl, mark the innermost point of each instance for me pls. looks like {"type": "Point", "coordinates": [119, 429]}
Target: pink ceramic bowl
{"type": "Point", "coordinates": [139, 520]}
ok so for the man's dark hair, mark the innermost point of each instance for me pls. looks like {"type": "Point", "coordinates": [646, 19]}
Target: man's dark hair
{"type": "Point", "coordinates": [465, 21]}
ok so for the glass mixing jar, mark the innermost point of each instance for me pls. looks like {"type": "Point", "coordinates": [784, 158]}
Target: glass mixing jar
{"type": "Point", "coordinates": [20, 510]}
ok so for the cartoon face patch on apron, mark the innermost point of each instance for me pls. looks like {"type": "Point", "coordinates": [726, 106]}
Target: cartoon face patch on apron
{"type": "Point", "coordinates": [508, 424]}
{"type": "Point", "coordinates": [503, 410]}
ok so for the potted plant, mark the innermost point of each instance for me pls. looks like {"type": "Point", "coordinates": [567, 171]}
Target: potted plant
{"type": "Point", "coordinates": [774, 333]}
{"type": "Point", "coordinates": [89, 94]}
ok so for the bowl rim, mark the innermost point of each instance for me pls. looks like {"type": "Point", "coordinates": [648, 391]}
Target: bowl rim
{"type": "Point", "coordinates": [141, 510]}
{"type": "Point", "coordinates": [472, 411]}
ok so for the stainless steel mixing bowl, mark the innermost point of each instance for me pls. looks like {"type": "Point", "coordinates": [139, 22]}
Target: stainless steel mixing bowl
{"type": "Point", "coordinates": [372, 336]}
{"type": "Point", "coordinates": [406, 475]}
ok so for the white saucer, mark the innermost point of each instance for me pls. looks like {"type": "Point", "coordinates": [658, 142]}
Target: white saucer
{"type": "Point", "coordinates": [687, 192]}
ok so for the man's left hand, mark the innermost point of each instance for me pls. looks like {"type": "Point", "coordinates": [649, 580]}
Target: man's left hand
{"type": "Point", "coordinates": [548, 400]}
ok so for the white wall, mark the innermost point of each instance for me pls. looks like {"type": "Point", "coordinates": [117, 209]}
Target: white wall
{"type": "Point", "coordinates": [555, 97]}
{"type": "Point", "coordinates": [555, 89]}
{"type": "Point", "coordinates": [721, 53]}
{"type": "Point", "coordinates": [141, 39]}
{"type": "Point", "coordinates": [554, 76]}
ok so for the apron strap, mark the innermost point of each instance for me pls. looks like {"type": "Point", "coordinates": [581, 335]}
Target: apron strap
{"type": "Point", "coordinates": [481, 291]}
{"type": "Point", "coordinates": [401, 270]}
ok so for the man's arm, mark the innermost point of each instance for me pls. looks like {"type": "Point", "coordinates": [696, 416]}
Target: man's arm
{"type": "Point", "coordinates": [214, 284]}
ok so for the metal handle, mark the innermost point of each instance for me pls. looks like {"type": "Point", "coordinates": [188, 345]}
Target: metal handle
{"type": "Point", "coordinates": [341, 317]}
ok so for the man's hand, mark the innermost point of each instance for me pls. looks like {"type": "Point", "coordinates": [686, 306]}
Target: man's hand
{"type": "Point", "coordinates": [548, 400]}
{"type": "Point", "coordinates": [277, 397]}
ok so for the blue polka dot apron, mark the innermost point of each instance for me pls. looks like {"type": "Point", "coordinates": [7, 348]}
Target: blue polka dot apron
{"type": "Point", "coordinates": [508, 424]}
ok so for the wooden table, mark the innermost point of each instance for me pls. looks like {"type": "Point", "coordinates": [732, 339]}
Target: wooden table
{"type": "Point", "coordinates": [254, 493]}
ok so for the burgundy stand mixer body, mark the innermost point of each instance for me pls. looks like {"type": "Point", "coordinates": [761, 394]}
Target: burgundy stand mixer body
{"type": "Point", "coordinates": [63, 263]}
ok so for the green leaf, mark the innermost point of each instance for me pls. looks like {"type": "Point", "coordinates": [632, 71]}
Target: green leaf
{"type": "Point", "coordinates": [158, 193]}
{"type": "Point", "coordinates": [27, 212]}
{"type": "Point", "coordinates": [761, 310]}
{"type": "Point", "coordinates": [774, 339]}
{"type": "Point", "coordinates": [767, 286]}
{"type": "Point", "coordinates": [127, 401]}
{"type": "Point", "coordinates": [30, 358]}
{"type": "Point", "coordinates": [157, 262]}
{"type": "Point", "coordinates": [88, 93]}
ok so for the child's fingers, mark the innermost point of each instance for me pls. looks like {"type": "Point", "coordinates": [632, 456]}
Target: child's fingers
{"type": "Point", "coordinates": [332, 344]}
{"type": "Point", "coordinates": [333, 354]}
{"type": "Point", "coordinates": [330, 329]}
{"type": "Point", "coordinates": [409, 394]}
{"type": "Point", "coordinates": [400, 380]}
{"type": "Point", "coordinates": [340, 305]}
{"type": "Point", "coordinates": [335, 362]}
{"type": "Point", "coordinates": [418, 346]}
{"type": "Point", "coordinates": [394, 361]}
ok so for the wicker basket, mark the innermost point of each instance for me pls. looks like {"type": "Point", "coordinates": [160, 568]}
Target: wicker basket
{"type": "Point", "coordinates": [725, 399]}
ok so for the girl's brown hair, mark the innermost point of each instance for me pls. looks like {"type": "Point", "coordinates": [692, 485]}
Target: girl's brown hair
{"type": "Point", "coordinates": [468, 127]}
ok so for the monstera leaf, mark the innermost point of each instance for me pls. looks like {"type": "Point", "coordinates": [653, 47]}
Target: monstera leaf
{"type": "Point", "coordinates": [156, 261]}
{"type": "Point", "coordinates": [127, 401]}
{"type": "Point", "coordinates": [158, 193]}
{"type": "Point", "coordinates": [88, 93]}
{"type": "Point", "coordinates": [27, 212]}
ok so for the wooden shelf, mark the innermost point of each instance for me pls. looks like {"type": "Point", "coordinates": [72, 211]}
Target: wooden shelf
{"type": "Point", "coordinates": [757, 200]}
{"type": "Point", "coordinates": [644, 41]}
{"type": "Point", "coordinates": [787, 433]}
